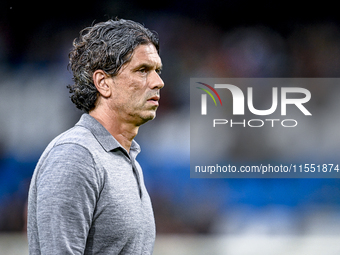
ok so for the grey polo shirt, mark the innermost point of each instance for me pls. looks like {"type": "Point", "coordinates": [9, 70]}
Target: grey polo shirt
{"type": "Point", "coordinates": [87, 196]}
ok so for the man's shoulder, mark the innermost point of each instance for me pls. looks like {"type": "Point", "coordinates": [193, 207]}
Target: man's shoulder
{"type": "Point", "coordinates": [76, 136]}
{"type": "Point", "coordinates": [69, 149]}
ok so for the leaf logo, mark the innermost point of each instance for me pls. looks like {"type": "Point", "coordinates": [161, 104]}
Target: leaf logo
{"type": "Point", "coordinates": [208, 92]}
{"type": "Point", "coordinates": [204, 97]}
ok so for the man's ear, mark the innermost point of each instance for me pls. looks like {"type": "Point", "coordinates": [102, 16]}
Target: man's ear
{"type": "Point", "coordinates": [101, 82]}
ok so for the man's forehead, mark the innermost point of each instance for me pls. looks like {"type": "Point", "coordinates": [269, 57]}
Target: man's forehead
{"type": "Point", "coordinates": [147, 54]}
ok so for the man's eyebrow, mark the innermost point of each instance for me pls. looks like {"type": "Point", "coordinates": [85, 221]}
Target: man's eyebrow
{"type": "Point", "coordinates": [150, 66]}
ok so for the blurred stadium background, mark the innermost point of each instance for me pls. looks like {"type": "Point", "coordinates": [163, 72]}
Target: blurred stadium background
{"type": "Point", "coordinates": [199, 38]}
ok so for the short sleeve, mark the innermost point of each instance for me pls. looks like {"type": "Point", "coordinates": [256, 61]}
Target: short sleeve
{"type": "Point", "coordinates": [67, 189]}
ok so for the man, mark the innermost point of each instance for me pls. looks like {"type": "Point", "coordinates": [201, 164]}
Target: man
{"type": "Point", "coordinates": [87, 194]}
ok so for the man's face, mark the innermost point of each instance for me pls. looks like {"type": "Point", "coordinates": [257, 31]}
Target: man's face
{"type": "Point", "coordinates": [136, 88]}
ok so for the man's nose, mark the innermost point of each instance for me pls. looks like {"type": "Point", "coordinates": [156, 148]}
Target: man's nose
{"type": "Point", "coordinates": [156, 81]}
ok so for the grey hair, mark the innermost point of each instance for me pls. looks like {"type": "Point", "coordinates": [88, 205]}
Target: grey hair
{"type": "Point", "coordinates": [106, 46]}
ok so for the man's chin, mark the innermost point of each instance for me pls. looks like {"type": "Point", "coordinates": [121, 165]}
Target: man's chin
{"type": "Point", "coordinates": [147, 117]}
{"type": "Point", "coordinates": [151, 116]}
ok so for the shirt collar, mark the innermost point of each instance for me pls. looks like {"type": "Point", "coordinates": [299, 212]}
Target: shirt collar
{"type": "Point", "coordinates": [107, 141]}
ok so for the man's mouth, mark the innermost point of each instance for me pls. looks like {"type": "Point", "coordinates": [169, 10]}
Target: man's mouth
{"type": "Point", "coordinates": [154, 100]}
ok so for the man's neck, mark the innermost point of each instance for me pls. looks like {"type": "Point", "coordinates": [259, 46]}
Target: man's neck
{"type": "Point", "coordinates": [123, 132]}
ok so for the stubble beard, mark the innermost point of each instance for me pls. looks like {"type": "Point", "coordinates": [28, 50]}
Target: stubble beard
{"type": "Point", "coordinates": [141, 115]}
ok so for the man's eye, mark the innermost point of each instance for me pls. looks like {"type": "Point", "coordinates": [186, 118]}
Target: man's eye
{"type": "Point", "coordinates": [142, 70]}
{"type": "Point", "coordinates": [159, 71]}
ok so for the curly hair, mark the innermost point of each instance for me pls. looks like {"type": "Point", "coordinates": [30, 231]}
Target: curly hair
{"type": "Point", "coordinates": [106, 46]}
